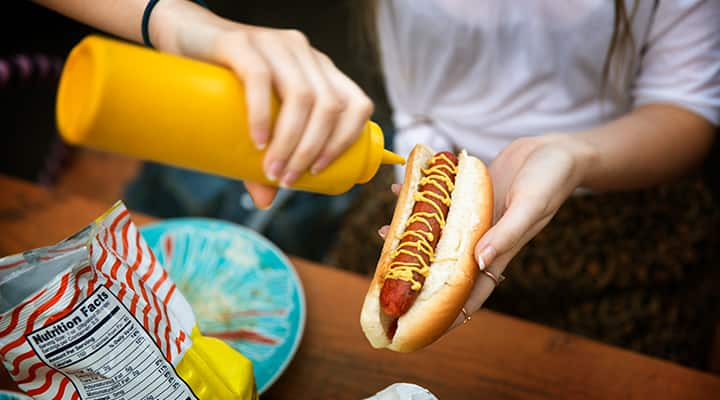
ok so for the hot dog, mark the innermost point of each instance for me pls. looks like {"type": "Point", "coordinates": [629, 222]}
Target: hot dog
{"type": "Point", "coordinates": [412, 257]}
{"type": "Point", "coordinates": [426, 269]}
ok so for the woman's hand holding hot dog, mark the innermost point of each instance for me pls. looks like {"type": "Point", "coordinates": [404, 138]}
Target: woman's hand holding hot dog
{"type": "Point", "coordinates": [533, 176]}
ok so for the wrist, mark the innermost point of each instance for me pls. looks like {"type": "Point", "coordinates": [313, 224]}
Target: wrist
{"type": "Point", "coordinates": [184, 28]}
{"type": "Point", "coordinates": [584, 156]}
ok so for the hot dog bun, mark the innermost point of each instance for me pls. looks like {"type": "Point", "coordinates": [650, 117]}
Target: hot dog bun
{"type": "Point", "coordinates": [452, 274]}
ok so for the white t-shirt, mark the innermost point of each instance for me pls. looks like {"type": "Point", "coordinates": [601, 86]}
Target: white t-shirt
{"type": "Point", "coordinates": [478, 74]}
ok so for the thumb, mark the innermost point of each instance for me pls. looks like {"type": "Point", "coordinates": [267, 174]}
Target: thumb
{"type": "Point", "coordinates": [262, 195]}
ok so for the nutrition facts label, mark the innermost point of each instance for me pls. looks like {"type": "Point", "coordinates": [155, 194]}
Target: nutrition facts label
{"type": "Point", "coordinates": [107, 354]}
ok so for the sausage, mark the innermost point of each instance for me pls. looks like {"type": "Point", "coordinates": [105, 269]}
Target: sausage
{"type": "Point", "coordinates": [414, 254]}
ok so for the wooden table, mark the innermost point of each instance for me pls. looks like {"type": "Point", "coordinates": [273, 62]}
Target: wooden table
{"type": "Point", "coordinates": [492, 357]}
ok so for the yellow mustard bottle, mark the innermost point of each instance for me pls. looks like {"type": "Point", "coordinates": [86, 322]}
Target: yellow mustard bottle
{"type": "Point", "coordinates": [128, 99]}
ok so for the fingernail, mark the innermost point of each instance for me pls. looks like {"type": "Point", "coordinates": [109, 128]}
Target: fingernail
{"type": "Point", "coordinates": [260, 140]}
{"type": "Point", "coordinates": [289, 178]}
{"type": "Point", "coordinates": [383, 231]}
{"type": "Point", "coordinates": [395, 187]}
{"type": "Point", "coordinates": [486, 256]}
{"type": "Point", "coordinates": [275, 169]}
{"type": "Point", "coordinates": [319, 165]}
{"type": "Point", "coordinates": [264, 207]}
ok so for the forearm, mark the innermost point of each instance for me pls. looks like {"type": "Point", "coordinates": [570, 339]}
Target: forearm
{"type": "Point", "coordinates": [123, 18]}
{"type": "Point", "coordinates": [118, 17]}
{"type": "Point", "coordinates": [652, 144]}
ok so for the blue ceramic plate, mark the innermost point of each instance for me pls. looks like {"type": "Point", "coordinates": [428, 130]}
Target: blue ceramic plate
{"type": "Point", "coordinates": [241, 287]}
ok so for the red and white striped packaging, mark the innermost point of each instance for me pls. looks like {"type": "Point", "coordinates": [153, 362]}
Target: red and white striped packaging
{"type": "Point", "coordinates": [94, 317]}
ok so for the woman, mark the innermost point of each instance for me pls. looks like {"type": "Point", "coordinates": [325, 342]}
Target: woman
{"type": "Point", "coordinates": [564, 98]}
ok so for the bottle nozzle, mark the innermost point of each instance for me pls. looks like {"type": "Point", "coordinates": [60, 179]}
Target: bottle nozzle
{"type": "Point", "coordinates": [388, 157]}
{"type": "Point", "coordinates": [375, 154]}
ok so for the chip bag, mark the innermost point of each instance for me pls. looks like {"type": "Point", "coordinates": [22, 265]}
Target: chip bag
{"type": "Point", "coordinates": [97, 317]}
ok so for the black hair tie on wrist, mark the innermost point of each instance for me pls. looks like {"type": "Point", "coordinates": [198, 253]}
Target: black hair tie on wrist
{"type": "Point", "coordinates": [146, 19]}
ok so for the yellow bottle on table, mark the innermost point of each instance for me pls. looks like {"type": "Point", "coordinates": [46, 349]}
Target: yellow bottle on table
{"type": "Point", "coordinates": [128, 99]}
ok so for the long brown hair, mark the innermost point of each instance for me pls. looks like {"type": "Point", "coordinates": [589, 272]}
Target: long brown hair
{"type": "Point", "coordinates": [364, 31]}
{"type": "Point", "coordinates": [622, 47]}
{"type": "Point", "coordinates": [619, 58]}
